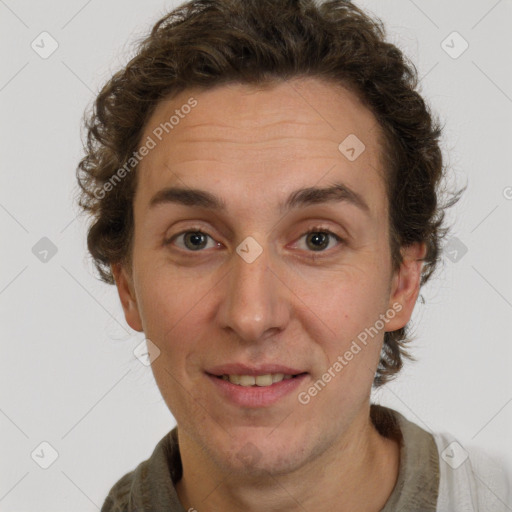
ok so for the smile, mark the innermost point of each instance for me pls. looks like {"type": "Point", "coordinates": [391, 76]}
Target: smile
{"type": "Point", "coordinates": [256, 380]}
{"type": "Point", "coordinates": [255, 391]}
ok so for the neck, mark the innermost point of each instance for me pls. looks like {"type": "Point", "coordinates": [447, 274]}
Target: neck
{"type": "Point", "coordinates": [357, 474]}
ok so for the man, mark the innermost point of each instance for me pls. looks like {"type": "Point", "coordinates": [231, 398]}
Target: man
{"type": "Point", "coordinates": [264, 184]}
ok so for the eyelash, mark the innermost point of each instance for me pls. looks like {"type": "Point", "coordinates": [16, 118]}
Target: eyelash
{"type": "Point", "coordinates": [314, 229]}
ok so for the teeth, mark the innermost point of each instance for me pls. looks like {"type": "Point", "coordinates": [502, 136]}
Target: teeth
{"type": "Point", "coordinates": [234, 379]}
{"type": "Point", "coordinates": [259, 380]}
{"type": "Point", "coordinates": [264, 380]}
{"type": "Point", "coordinates": [246, 380]}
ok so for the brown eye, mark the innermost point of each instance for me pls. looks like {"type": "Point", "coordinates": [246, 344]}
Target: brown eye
{"type": "Point", "coordinates": [192, 240]}
{"type": "Point", "coordinates": [318, 240]}
{"type": "Point", "coordinates": [195, 240]}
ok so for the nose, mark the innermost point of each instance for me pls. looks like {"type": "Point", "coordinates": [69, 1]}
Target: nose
{"type": "Point", "coordinates": [254, 299]}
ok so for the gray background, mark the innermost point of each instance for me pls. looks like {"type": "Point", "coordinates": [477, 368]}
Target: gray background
{"type": "Point", "coordinates": [69, 376]}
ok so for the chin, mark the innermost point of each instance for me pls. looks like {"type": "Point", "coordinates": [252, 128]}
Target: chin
{"type": "Point", "coordinates": [267, 453]}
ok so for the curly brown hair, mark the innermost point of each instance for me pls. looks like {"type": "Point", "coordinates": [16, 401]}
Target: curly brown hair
{"type": "Point", "coordinates": [204, 43]}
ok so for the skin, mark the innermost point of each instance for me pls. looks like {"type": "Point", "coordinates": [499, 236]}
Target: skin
{"type": "Point", "coordinates": [292, 305]}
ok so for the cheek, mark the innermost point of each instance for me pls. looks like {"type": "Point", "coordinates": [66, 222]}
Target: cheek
{"type": "Point", "coordinates": [348, 308]}
{"type": "Point", "coordinates": [350, 347]}
{"type": "Point", "coordinates": [172, 308]}
{"type": "Point", "coordinates": [349, 300]}
{"type": "Point", "coordinates": [174, 321]}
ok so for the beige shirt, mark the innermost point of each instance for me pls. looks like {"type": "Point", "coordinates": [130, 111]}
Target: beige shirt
{"type": "Point", "coordinates": [150, 487]}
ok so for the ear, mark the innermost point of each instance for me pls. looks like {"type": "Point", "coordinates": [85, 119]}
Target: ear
{"type": "Point", "coordinates": [405, 285]}
{"type": "Point", "coordinates": [125, 289]}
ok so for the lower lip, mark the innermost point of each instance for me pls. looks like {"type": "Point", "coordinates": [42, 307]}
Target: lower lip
{"type": "Point", "coordinates": [256, 396]}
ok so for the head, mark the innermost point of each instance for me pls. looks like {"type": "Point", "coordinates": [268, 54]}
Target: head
{"type": "Point", "coordinates": [280, 121]}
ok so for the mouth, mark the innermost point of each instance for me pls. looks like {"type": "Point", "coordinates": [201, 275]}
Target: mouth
{"type": "Point", "coordinates": [265, 380]}
{"type": "Point", "coordinates": [251, 387]}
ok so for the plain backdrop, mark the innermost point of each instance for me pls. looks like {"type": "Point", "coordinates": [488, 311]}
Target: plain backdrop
{"type": "Point", "coordinates": [69, 378]}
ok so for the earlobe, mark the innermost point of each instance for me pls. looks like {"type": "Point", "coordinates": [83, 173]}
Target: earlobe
{"type": "Point", "coordinates": [405, 285]}
{"type": "Point", "coordinates": [127, 296]}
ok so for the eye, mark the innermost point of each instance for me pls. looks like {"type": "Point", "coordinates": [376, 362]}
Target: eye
{"type": "Point", "coordinates": [318, 239]}
{"type": "Point", "coordinates": [192, 240]}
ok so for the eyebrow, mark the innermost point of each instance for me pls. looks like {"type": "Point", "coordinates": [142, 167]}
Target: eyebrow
{"type": "Point", "coordinates": [303, 197]}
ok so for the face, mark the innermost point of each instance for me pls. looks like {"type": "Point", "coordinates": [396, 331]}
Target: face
{"type": "Point", "coordinates": [241, 267]}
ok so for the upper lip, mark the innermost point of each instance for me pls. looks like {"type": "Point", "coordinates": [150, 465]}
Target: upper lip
{"type": "Point", "coordinates": [243, 369]}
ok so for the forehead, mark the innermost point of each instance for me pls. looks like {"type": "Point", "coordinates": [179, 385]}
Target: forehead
{"type": "Point", "coordinates": [263, 142]}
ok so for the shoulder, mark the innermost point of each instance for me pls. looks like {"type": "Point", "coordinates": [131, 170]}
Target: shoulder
{"type": "Point", "coordinates": [150, 485]}
{"type": "Point", "coordinates": [471, 480]}
{"type": "Point", "coordinates": [468, 479]}
{"type": "Point", "coordinates": [119, 495]}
